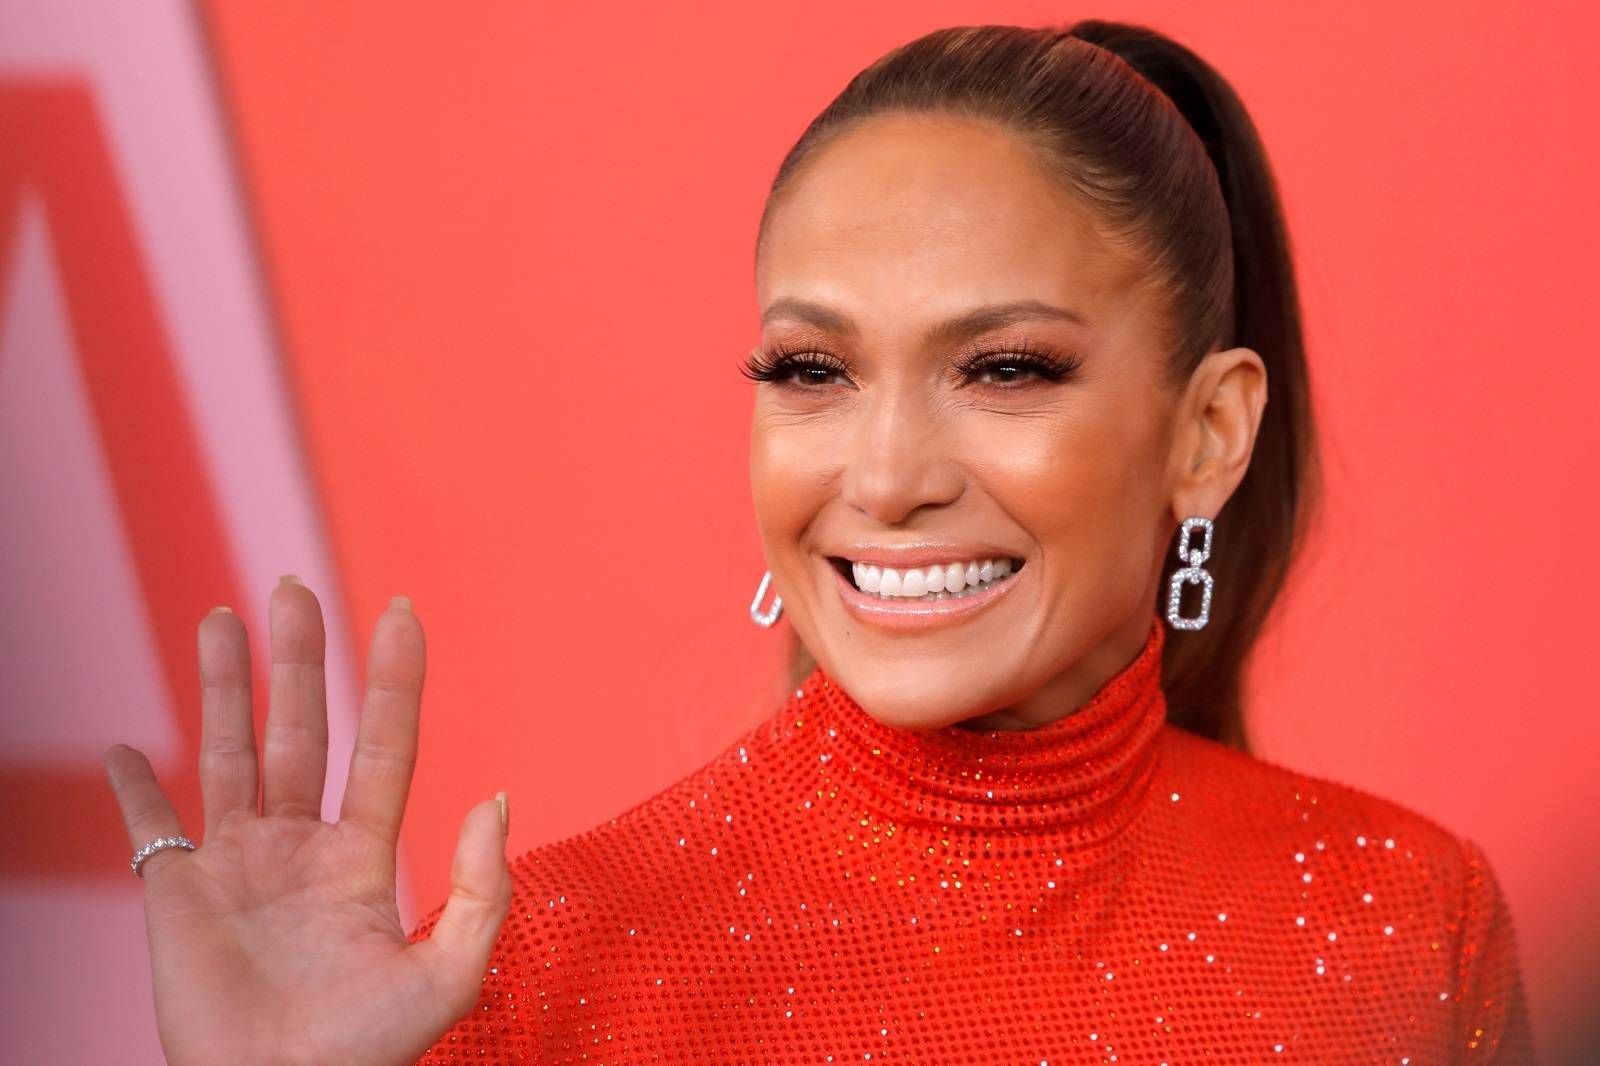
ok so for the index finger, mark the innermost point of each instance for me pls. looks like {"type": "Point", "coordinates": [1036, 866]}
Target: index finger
{"type": "Point", "coordinates": [386, 738]}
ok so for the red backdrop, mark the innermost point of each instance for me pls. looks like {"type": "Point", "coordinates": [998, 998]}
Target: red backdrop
{"type": "Point", "coordinates": [512, 262]}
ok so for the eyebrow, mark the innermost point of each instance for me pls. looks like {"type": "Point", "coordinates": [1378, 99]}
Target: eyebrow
{"type": "Point", "coordinates": [970, 324]}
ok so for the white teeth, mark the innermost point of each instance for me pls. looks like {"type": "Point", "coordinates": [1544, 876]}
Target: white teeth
{"type": "Point", "coordinates": [938, 582]}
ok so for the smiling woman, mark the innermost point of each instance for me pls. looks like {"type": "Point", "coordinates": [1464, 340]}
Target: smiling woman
{"type": "Point", "coordinates": [1079, 358]}
{"type": "Point", "coordinates": [1023, 295]}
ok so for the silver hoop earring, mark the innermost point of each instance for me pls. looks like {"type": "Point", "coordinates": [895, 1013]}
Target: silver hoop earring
{"type": "Point", "coordinates": [773, 612]}
{"type": "Point", "coordinates": [1192, 573]}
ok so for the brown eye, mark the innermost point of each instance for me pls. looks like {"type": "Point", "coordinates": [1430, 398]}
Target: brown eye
{"type": "Point", "coordinates": [793, 369]}
{"type": "Point", "coordinates": [1013, 369]}
{"type": "Point", "coordinates": [1004, 373]}
{"type": "Point", "coordinates": [803, 373]}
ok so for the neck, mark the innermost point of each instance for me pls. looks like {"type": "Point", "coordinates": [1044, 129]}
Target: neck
{"type": "Point", "coordinates": [1081, 774]}
{"type": "Point", "coordinates": [1074, 688]}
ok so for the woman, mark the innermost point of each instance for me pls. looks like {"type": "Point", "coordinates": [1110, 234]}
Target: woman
{"type": "Point", "coordinates": [1023, 292]}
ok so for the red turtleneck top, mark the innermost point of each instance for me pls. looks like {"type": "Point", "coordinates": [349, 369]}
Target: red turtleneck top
{"type": "Point", "coordinates": [1106, 888]}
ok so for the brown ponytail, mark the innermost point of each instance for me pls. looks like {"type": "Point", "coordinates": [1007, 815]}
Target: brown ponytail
{"type": "Point", "coordinates": [1155, 141]}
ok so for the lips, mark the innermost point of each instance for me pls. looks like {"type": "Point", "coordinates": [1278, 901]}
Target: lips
{"type": "Point", "coordinates": [896, 610]}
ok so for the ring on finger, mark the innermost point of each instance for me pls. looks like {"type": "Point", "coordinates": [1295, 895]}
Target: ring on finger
{"type": "Point", "coordinates": [156, 845]}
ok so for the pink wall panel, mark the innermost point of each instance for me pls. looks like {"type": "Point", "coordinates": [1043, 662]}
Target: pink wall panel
{"type": "Point", "coordinates": [149, 468]}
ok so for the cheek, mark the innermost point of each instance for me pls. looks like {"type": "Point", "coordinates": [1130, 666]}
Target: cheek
{"type": "Point", "coordinates": [1082, 488]}
{"type": "Point", "coordinates": [788, 480]}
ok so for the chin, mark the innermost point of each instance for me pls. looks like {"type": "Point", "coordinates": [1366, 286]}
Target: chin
{"type": "Point", "coordinates": [911, 695]}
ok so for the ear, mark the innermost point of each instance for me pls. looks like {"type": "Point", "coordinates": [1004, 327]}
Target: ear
{"type": "Point", "coordinates": [1218, 417]}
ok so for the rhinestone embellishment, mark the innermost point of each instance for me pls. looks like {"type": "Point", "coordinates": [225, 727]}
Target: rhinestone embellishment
{"type": "Point", "coordinates": [156, 845]}
{"type": "Point", "coordinates": [765, 618]}
{"type": "Point", "coordinates": [1193, 573]}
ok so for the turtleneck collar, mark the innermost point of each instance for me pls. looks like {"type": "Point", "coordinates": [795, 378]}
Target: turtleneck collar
{"type": "Point", "coordinates": [1081, 775]}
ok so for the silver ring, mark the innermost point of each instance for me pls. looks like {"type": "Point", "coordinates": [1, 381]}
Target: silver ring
{"type": "Point", "coordinates": [156, 845]}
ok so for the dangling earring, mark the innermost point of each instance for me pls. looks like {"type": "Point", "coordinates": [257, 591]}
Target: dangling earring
{"type": "Point", "coordinates": [773, 612]}
{"type": "Point", "coordinates": [1193, 574]}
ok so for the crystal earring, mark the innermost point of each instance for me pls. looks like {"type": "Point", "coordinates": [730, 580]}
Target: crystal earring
{"type": "Point", "coordinates": [773, 612]}
{"type": "Point", "coordinates": [1192, 573]}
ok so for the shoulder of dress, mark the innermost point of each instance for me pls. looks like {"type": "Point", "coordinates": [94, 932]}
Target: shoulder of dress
{"type": "Point", "coordinates": [1297, 803]}
{"type": "Point", "coordinates": [633, 857]}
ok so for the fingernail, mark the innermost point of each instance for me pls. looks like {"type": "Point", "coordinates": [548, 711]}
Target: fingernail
{"type": "Point", "coordinates": [290, 579]}
{"type": "Point", "coordinates": [225, 610]}
{"type": "Point", "coordinates": [402, 602]}
{"type": "Point", "coordinates": [505, 813]}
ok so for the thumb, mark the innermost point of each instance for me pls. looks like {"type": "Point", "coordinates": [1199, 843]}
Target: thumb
{"type": "Point", "coordinates": [456, 954]}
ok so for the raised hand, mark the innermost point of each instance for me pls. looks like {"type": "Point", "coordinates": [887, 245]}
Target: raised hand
{"type": "Point", "coordinates": [278, 940]}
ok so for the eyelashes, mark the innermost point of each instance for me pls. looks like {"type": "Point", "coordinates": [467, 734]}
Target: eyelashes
{"type": "Point", "coordinates": [1024, 355]}
{"type": "Point", "coordinates": [803, 368]}
{"type": "Point", "coordinates": [778, 362]}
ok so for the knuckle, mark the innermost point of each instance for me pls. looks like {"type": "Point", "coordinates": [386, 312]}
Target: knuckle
{"type": "Point", "coordinates": [384, 754]}
{"type": "Point", "coordinates": [296, 734]}
{"type": "Point", "coordinates": [223, 677]}
{"type": "Point", "coordinates": [147, 814]}
{"type": "Point", "coordinates": [394, 686]}
{"type": "Point", "coordinates": [296, 659]}
{"type": "Point", "coordinates": [221, 749]}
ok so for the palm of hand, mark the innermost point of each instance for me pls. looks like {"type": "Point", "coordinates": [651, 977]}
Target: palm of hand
{"type": "Point", "coordinates": [279, 940]}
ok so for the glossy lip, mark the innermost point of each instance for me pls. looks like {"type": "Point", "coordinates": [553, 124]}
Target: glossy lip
{"type": "Point", "coordinates": [916, 614]}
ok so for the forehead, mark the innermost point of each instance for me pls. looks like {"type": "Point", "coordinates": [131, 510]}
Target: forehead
{"type": "Point", "coordinates": [941, 212]}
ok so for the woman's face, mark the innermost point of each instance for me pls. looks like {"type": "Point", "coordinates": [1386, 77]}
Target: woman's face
{"type": "Point", "coordinates": [974, 377]}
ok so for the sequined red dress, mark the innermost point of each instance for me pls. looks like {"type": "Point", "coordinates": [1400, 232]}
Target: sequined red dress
{"type": "Point", "coordinates": [1104, 889]}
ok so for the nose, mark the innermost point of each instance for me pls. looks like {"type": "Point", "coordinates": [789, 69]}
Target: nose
{"type": "Point", "coordinates": [897, 459]}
